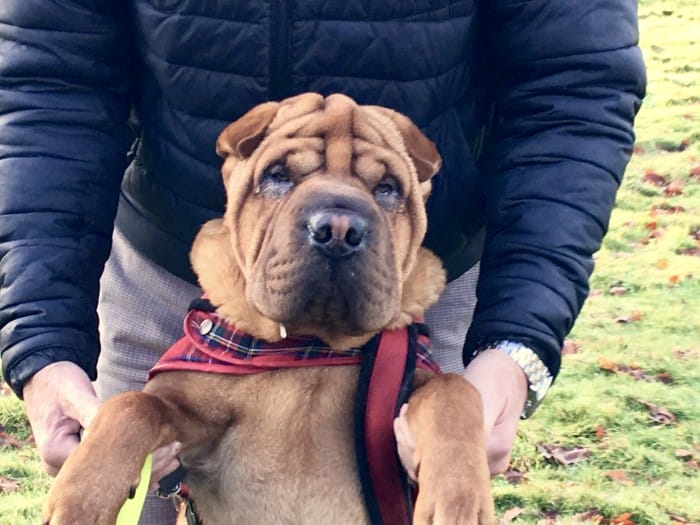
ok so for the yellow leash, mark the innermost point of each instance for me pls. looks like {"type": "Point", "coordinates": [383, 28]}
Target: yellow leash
{"type": "Point", "coordinates": [130, 512]}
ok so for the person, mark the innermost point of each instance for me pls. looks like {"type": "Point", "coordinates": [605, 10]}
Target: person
{"type": "Point", "coordinates": [109, 115]}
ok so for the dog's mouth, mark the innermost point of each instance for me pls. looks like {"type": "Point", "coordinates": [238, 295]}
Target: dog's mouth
{"type": "Point", "coordinates": [333, 270]}
{"type": "Point", "coordinates": [348, 295]}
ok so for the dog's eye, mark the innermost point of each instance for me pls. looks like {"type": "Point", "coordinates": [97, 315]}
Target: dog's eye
{"type": "Point", "coordinates": [388, 192]}
{"type": "Point", "coordinates": [275, 182]}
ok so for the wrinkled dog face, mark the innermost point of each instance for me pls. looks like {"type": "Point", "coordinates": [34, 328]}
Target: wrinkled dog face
{"type": "Point", "coordinates": [325, 210]}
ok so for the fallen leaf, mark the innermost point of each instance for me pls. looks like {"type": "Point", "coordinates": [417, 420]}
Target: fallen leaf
{"type": "Point", "coordinates": [651, 225]}
{"type": "Point", "coordinates": [8, 485]}
{"type": "Point", "coordinates": [564, 455]}
{"type": "Point", "coordinates": [7, 440]}
{"type": "Point", "coordinates": [600, 432]}
{"type": "Point", "coordinates": [692, 464]}
{"type": "Point", "coordinates": [683, 453]}
{"type": "Point", "coordinates": [606, 364]}
{"type": "Point", "coordinates": [686, 354]}
{"type": "Point", "coordinates": [665, 378]}
{"type": "Point", "coordinates": [591, 516]}
{"type": "Point", "coordinates": [695, 172]}
{"type": "Point", "coordinates": [662, 264]}
{"type": "Point", "coordinates": [619, 477]}
{"type": "Point", "coordinates": [674, 188]}
{"type": "Point", "coordinates": [695, 232]}
{"type": "Point", "coordinates": [5, 389]}
{"type": "Point", "coordinates": [665, 207]}
{"type": "Point", "coordinates": [632, 318]}
{"type": "Point", "coordinates": [570, 347]}
{"type": "Point", "coordinates": [511, 514]}
{"type": "Point", "coordinates": [660, 414]}
{"type": "Point", "coordinates": [669, 146]}
{"type": "Point", "coordinates": [673, 280]}
{"type": "Point", "coordinates": [680, 520]}
{"type": "Point", "coordinates": [514, 476]}
{"type": "Point", "coordinates": [655, 178]}
{"type": "Point", "coordinates": [617, 290]}
{"type": "Point", "coordinates": [622, 519]}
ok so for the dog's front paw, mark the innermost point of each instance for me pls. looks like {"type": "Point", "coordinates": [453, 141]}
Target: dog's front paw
{"type": "Point", "coordinates": [85, 498]}
{"type": "Point", "coordinates": [447, 496]}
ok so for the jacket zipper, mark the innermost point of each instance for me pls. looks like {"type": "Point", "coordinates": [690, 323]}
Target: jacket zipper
{"type": "Point", "coordinates": [280, 49]}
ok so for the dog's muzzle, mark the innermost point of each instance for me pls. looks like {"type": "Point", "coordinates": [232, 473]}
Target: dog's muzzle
{"type": "Point", "coordinates": [337, 232]}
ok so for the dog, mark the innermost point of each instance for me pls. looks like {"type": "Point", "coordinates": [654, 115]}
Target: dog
{"type": "Point", "coordinates": [321, 237]}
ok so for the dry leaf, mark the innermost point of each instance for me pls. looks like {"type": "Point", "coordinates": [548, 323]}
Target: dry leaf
{"type": "Point", "coordinates": [665, 207]}
{"type": "Point", "coordinates": [695, 172]}
{"type": "Point", "coordinates": [692, 464]}
{"type": "Point", "coordinates": [685, 354]}
{"type": "Point", "coordinates": [564, 455]}
{"type": "Point", "coordinates": [514, 476]}
{"type": "Point", "coordinates": [591, 516]}
{"type": "Point", "coordinates": [654, 178]}
{"type": "Point", "coordinates": [673, 280]}
{"type": "Point", "coordinates": [570, 347]}
{"type": "Point", "coordinates": [660, 414]}
{"type": "Point", "coordinates": [674, 188]}
{"type": "Point", "coordinates": [5, 389]}
{"type": "Point", "coordinates": [662, 264]}
{"type": "Point", "coordinates": [680, 520]}
{"type": "Point", "coordinates": [8, 485]}
{"type": "Point", "coordinates": [619, 477]}
{"type": "Point", "coordinates": [632, 318]}
{"type": "Point", "coordinates": [683, 453]}
{"type": "Point", "coordinates": [7, 440]}
{"type": "Point", "coordinates": [606, 364]}
{"type": "Point", "coordinates": [622, 519]}
{"type": "Point", "coordinates": [665, 378]}
{"type": "Point", "coordinates": [511, 514]}
{"type": "Point", "coordinates": [617, 290]}
{"type": "Point", "coordinates": [600, 432]}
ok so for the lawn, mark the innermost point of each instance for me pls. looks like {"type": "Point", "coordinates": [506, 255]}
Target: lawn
{"type": "Point", "coordinates": [618, 439]}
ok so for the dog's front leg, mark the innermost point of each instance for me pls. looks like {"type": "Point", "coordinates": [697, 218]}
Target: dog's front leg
{"type": "Point", "coordinates": [445, 419]}
{"type": "Point", "coordinates": [100, 474]}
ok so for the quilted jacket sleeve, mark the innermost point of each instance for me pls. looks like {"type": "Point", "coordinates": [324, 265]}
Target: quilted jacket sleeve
{"type": "Point", "coordinates": [569, 79]}
{"type": "Point", "coordinates": [64, 103]}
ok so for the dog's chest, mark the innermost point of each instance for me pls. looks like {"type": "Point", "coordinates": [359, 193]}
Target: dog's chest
{"type": "Point", "coordinates": [289, 458]}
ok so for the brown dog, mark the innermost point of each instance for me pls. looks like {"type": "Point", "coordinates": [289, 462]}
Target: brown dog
{"type": "Point", "coordinates": [321, 236]}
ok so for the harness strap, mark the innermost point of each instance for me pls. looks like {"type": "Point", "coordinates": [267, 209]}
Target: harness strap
{"type": "Point", "coordinates": [386, 377]}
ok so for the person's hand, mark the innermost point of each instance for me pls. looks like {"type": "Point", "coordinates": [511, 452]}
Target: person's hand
{"type": "Point", "coordinates": [503, 388]}
{"type": "Point", "coordinates": [60, 400]}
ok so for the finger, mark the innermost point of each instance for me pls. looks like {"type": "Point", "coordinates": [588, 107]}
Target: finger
{"type": "Point", "coordinates": [165, 461]}
{"type": "Point", "coordinates": [405, 444]}
{"type": "Point", "coordinates": [498, 449]}
{"type": "Point", "coordinates": [55, 451]}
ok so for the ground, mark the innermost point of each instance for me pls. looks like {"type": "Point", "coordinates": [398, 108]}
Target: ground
{"type": "Point", "coordinates": [617, 441]}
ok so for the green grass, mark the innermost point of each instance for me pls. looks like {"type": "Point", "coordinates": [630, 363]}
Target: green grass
{"type": "Point", "coordinates": [590, 407]}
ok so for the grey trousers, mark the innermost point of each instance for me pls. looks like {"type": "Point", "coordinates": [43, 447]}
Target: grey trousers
{"type": "Point", "coordinates": [141, 309]}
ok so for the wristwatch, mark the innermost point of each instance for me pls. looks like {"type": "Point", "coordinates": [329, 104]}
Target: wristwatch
{"type": "Point", "coordinates": [539, 377]}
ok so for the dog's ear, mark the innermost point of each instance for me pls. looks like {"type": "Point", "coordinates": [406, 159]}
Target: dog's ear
{"type": "Point", "coordinates": [420, 148]}
{"type": "Point", "coordinates": [241, 137]}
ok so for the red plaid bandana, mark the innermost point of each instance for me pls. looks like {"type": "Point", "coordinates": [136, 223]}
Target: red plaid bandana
{"type": "Point", "coordinates": [212, 345]}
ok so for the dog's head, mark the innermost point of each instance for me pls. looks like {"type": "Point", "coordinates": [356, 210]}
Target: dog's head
{"type": "Point", "coordinates": [324, 220]}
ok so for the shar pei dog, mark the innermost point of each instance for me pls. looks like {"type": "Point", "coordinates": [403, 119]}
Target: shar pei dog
{"type": "Point", "coordinates": [316, 261]}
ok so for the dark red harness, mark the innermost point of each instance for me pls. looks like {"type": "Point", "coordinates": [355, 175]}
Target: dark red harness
{"type": "Point", "coordinates": [387, 363]}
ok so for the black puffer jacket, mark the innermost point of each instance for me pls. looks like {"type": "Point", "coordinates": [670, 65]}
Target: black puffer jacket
{"type": "Point", "coordinates": [556, 84]}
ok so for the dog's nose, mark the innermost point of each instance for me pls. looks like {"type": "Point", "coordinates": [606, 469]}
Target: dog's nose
{"type": "Point", "coordinates": [337, 232]}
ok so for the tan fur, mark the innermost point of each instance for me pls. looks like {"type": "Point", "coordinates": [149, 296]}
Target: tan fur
{"type": "Point", "coordinates": [277, 448]}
